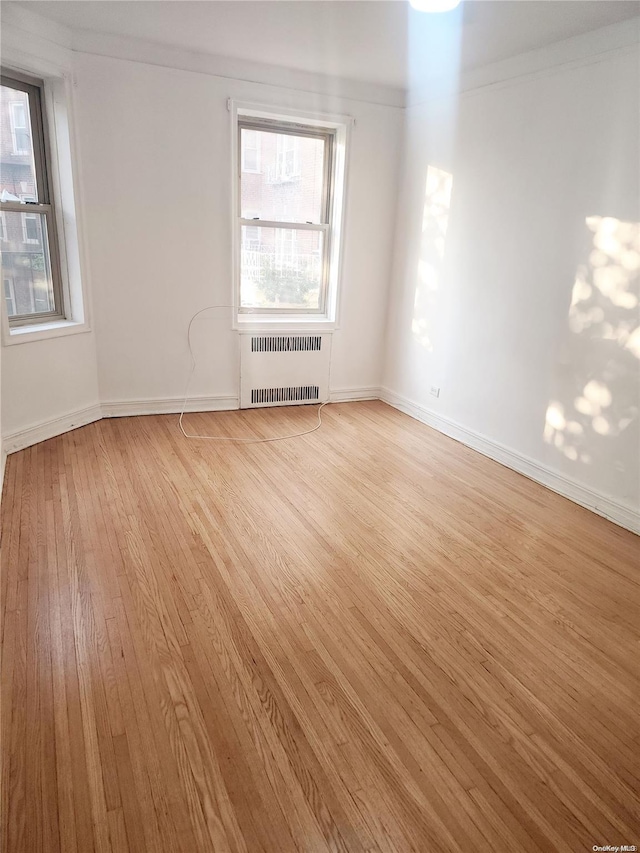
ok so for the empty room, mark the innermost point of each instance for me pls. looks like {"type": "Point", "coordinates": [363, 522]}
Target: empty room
{"type": "Point", "coordinates": [320, 426]}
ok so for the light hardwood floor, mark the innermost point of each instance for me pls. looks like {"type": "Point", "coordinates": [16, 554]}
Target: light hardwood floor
{"type": "Point", "coordinates": [367, 639]}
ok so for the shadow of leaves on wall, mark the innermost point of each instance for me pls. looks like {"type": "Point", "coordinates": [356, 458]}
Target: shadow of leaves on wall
{"type": "Point", "coordinates": [598, 389]}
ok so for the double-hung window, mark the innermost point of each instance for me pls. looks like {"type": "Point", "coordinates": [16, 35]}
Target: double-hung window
{"type": "Point", "coordinates": [30, 258]}
{"type": "Point", "coordinates": [287, 235]}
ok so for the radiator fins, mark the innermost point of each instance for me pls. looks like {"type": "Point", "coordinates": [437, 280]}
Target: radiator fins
{"type": "Point", "coordinates": [286, 343]}
{"type": "Point", "coordinates": [304, 393]}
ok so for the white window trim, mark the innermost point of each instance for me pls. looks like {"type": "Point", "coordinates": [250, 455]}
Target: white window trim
{"type": "Point", "coordinates": [14, 136]}
{"type": "Point", "coordinates": [3, 227]}
{"type": "Point", "coordinates": [58, 96]}
{"type": "Point", "coordinates": [342, 125]}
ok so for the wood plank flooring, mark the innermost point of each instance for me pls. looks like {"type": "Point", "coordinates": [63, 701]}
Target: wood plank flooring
{"type": "Point", "coordinates": [370, 638]}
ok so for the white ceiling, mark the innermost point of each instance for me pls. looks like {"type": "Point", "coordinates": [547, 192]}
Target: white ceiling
{"type": "Point", "coordinates": [365, 40]}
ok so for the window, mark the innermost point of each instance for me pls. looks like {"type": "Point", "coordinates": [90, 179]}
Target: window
{"type": "Point", "coordinates": [251, 152]}
{"type": "Point", "coordinates": [30, 258]}
{"type": "Point", "coordinates": [29, 222]}
{"type": "Point", "coordinates": [10, 296]}
{"type": "Point", "coordinates": [285, 243]}
{"type": "Point", "coordinates": [252, 233]}
{"type": "Point", "coordinates": [3, 228]}
{"type": "Point", "coordinates": [287, 158]}
{"type": "Point", "coordinates": [30, 231]}
{"type": "Point", "coordinates": [285, 217]}
{"type": "Point", "coordinates": [20, 134]}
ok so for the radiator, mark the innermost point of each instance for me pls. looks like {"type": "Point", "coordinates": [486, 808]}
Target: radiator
{"type": "Point", "coordinates": [284, 370]}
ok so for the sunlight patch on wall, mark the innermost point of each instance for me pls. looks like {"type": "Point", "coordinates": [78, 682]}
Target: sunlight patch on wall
{"type": "Point", "coordinates": [609, 281]}
{"type": "Point", "coordinates": [435, 221]}
{"type": "Point", "coordinates": [604, 311]}
{"type": "Point", "coordinates": [559, 431]}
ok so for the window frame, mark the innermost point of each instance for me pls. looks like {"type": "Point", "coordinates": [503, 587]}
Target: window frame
{"type": "Point", "coordinates": [295, 129]}
{"type": "Point", "coordinates": [34, 88]}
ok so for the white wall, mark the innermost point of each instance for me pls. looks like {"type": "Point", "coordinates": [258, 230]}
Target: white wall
{"type": "Point", "coordinates": [156, 145]}
{"type": "Point", "coordinates": [491, 322]}
{"type": "Point", "coordinates": [45, 380]}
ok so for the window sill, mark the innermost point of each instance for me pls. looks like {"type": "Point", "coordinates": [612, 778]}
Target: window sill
{"type": "Point", "coordinates": [43, 331]}
{"type": "Point", "coordinates": [285, 322]}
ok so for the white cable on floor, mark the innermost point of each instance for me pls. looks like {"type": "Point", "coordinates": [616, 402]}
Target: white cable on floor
{"type": "Point", "coordinates": [226, 437]}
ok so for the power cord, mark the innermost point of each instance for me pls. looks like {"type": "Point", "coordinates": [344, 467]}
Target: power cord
{"type": "Point", "coordinates": [226, 437]}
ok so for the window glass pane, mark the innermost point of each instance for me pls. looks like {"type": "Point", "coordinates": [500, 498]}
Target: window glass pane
{"type": "Point", "coordinates": [250, 150]}
{"type": "Point", "coordinates": [26, 267]}
{"type": "Point", "coordinates": [285, 184]}
{"type": "Point", "coordinates": [282, 268]}
{"type": "Point", "coordinates": [17, 166]}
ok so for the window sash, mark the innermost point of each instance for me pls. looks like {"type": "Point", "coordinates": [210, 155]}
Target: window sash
{"type": "Point", "coordinates": [324, 278]}
{"type": "Point", "coordinates": [296, 226]}
{"type": "Point", "coordinates": [41, 316]}
{"type": "Point", "coordinates": [41, 158]}
{"type": "Point", "coordinates": [291, 129]}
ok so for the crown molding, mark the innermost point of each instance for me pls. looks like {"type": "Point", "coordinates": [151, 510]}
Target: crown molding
{"type": "Point", "coordinates": [167, 56]}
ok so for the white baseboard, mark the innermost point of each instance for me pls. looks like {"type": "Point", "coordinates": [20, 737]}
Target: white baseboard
{"type": "Point", "coordinates": [167, 406]}
{"type": "Point", "coordinates": [624, 515]}
{"type": "Point", "coordinates": [350, 395]}
{"type": "Point", "coordinates": [50, 429]}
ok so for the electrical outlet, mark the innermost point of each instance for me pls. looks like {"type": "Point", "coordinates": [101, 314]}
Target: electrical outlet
{"type": "Point", "coordinates": [435, 391]}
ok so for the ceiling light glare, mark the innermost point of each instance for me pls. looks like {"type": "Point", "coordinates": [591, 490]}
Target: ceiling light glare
{"type": "Point", "coordinates": [434, 5]}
